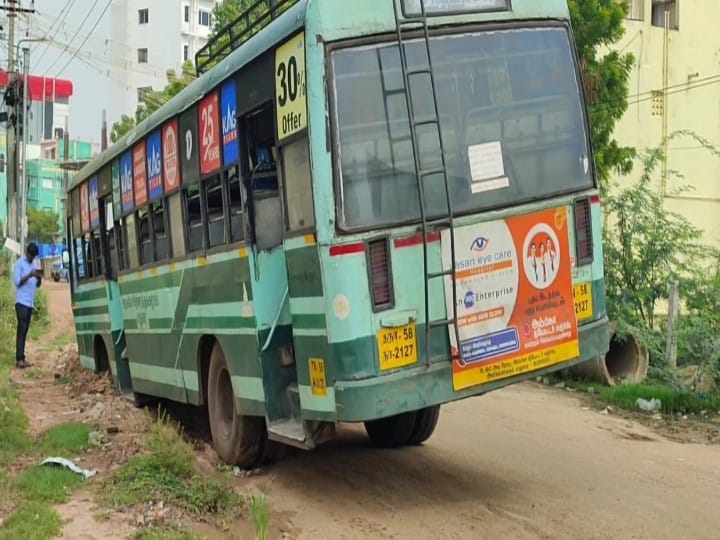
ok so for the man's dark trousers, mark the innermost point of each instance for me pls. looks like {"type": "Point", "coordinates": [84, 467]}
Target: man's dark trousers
{"type": "Point", "coordinates": [24, 314]}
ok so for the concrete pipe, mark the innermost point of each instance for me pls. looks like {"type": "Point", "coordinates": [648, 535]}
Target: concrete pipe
{"type": "Point", "coordinates": [626, 361]}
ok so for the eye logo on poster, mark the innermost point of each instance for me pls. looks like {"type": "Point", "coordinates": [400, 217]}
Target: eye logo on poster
{"type": "Point", "coordinates": [154, 167]}
{"type": "Point", "coordinates": [170, 156]}
{"type": "Point", "coordinates": [126, 182]}
{"type": "Point", "coordinates": [209, 134]}
{"type": "Point", "coordinates": [84, 211]}
{"type": "Point", "coordinates": [515, 308]}
{"type": "Point", "coordinates": [93, 202]}
{"type": "Point", "coordinates": [228, 102]}
{"type": "Point", "coordinates": [139, 175]}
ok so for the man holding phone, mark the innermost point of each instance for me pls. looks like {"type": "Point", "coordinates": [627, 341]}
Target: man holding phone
{"type": "Point", "coordinates": [27, 279]}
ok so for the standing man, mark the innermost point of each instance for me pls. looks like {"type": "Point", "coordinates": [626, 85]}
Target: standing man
{"type": "Point", "coordinates": [27, 280]}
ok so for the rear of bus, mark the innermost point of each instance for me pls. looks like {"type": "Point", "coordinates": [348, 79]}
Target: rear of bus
{"type": "Point", "coordinates": [529, 289]}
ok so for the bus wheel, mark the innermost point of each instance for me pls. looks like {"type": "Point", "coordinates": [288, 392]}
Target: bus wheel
{"type": "Point", "coordinates": [425, 424]}
{"type": "Point", "coordinates": [392, 431]}
{"type": "Point", "coordinates": [236, 438]}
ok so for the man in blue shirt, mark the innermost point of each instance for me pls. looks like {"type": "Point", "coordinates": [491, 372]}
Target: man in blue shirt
{"type": "Point", "coordinates": [27, 280]}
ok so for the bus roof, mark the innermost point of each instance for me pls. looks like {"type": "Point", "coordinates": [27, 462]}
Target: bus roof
{"type": "Point", "coordinates": [334, 20]}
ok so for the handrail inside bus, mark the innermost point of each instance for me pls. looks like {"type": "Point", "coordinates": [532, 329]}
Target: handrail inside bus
{"type": "Point", "coordinates": [277, 318]}
{"type": "Point", "coordinates": [256, 17]}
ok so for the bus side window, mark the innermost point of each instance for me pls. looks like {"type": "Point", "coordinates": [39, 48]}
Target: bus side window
{"type": "Point", "coordinates": [144, 241]}
{"type": "Point", "coordinates": [297, 181]}
{"type": "Point", "coordinates": [121, 243]}
{"type": "Point", "coordinates": [80, 269]}
{"type": "Point", "coordinates": [161, 236]}
{"type": "Point", "coordinates": [97, 254]}
{"type": "Point", "coordinates": [215, 211]}
{"type": "Point", "coordinates": [193, 219]}
{"type": "Point", "coordinates": [235, 194]}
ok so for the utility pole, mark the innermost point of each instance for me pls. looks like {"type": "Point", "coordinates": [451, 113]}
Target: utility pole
{"type": "Point", "coordinates": [24, 176]}
{"type": "Point", "coordinates": [12, 227]}
{"type": "Point", "coordinates": [13, 7]}
{"type": "Point", "coordinates": [103, 133]}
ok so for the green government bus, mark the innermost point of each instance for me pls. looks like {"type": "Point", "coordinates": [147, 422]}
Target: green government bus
{"type": "Point", "coordinates": [358, 211]}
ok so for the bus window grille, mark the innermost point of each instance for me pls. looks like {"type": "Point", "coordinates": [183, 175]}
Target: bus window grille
{"type": "Point", "coordinates": [583, 232]}
{"type": "Point", "coordinates": [231, 36]}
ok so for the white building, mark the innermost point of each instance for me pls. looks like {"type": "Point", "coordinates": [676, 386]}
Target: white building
{"type": "Point", "coordinates": [148, 37]}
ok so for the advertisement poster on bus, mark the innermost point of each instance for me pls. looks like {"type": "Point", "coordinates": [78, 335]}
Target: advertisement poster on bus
{"type": "Point", "coordinates": [84, 210]}
{"type": "Point", "coordinates": [189, 158]}
{"type": "Point", "coordinates": [139, 175]}
{"type": "Point", "coordinates": [154, 167]}
{"type": "Point", "coordinates": [228, 104]}
{"type": "Point", "coordinates": [116, 191]}
{"type": "Point", "coordinates": [209, 126]}
{"type": "Point", "coordinates": [126, 182]}
{"type": "Point", "coordinates": [93, 202]}
{"type": "Point", "coordinates": [171, 167]}
{"type": "Point", "coordinates": [514, 297]}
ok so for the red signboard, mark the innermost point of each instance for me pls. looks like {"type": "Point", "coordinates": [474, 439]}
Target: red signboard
{"type": "Point", "coordinates": [209, 134]}
{"type": "Point", "coordinates": [140, 174]}
{"type": "Point", "coordinates": [171, 165]}
{"type": "Point", "coordinates": [84, 208]}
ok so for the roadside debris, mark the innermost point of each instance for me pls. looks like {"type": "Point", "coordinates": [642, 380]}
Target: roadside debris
{"type": "Point", "coordinates": [69, 465]}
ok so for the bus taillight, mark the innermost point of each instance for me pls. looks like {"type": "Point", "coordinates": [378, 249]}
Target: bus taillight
{"type": "Point", "coordinates": [378, 254]}
{"type": "Point", "coordinates": [583, 230]}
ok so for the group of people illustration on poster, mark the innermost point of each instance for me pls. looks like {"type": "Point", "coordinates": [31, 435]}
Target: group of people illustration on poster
{"type": "Point", "coordinates": [542, 260]}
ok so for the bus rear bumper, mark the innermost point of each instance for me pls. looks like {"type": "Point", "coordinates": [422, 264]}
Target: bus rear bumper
{"type": "Point", "coordinates": [413, 389]}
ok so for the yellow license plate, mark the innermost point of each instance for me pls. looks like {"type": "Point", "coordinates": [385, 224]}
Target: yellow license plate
{"type": "Point", "coordinates": [397, 347]}
{"type": "Point", "coordinates": [582, 295]}
{"type": "Point", "coordinates": [318, 384]}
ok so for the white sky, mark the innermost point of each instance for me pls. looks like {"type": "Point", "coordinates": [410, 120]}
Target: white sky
{"type": "Point", "coordinates": [87, 70]}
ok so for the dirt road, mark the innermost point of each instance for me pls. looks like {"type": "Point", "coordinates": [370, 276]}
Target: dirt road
{"type": "Point", "coordinates": [526, 462]}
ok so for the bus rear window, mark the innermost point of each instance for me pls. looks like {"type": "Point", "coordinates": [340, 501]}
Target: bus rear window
{"type": "Point", "coordinates": [511, 119]}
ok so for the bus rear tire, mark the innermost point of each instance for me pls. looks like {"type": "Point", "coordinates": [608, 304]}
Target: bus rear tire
{"type": "Point", "coordinates": [236, 438]}
{"type": "Point", "coordinates": [393, 431]}
{"type": "Point", "coordinates": [425, 424]}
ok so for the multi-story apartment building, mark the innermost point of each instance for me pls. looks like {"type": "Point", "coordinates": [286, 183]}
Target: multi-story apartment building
{"type": "Point", "coordinates": [674, 86]}
{"type": "Point", "coordinates": [148, 37]}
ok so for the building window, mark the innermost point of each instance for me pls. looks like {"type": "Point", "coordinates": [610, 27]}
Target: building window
{"type": "Point", "coordinates": [143, 92]}
{"type": "Point", "coordinates": [659, 8]}
{"type": "Point", "coordinates": [142, 56]}
{"type": "Point", "coordinates": [186, 52]}
{"type": "Point", "coordinates": [186, 17]}
{"type": "Point", "coordinates": [204, 18]}
{"type": "Point", "coordinates": [637, 10]}
{"type": "Point", "coordinates": [143, 16]}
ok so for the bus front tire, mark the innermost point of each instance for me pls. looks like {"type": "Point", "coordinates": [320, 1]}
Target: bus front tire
{"type": "Point", "coordinates": [236, 438]}
{"type": "Point", "coordinates": [393, 431]}
{"type": "Point", "coordinates": [425, 424]}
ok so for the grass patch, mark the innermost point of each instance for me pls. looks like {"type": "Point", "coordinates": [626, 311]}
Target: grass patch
{"type": "Point", "coordinates": [60, 340]}
{"type": "Point", "coordinates": [48, 484]}
{"type": "Point", "coordinates": [32, 520]}
{"type": "Point", "coordinates": [673, 401]}
{"type": "Point", "coordinates": [65, 440]}
{"type": "Point", "coordinates": [260, 515]}
{"type": "Point", "coordinates": [14, 439]}
{"type": "Point", "coordinates": [164, 533]}
{"type": "Point", "coordinates": [167, 473]}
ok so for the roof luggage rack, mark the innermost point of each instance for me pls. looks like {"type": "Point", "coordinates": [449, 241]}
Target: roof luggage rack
{"type": "Point", "coordinates": [231, 36]}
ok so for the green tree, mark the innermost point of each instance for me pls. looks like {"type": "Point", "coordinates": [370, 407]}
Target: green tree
{"type": "Point", "coordinates": [152, 100]}
{"type": "Point", "coordinates": [42, 224]}
{"type": "Point", "coordinates": [596, 24]}
{"type": "Point", "coordinates": [122, 127]}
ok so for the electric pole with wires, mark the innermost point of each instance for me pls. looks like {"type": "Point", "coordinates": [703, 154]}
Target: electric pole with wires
{"type": "Point", "coordinates": [15, 113]}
